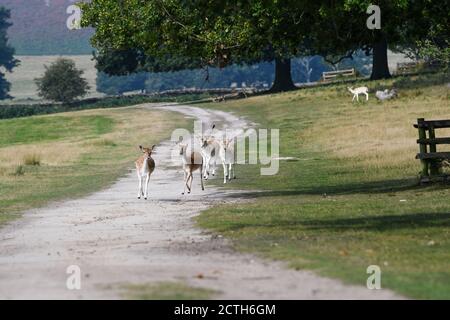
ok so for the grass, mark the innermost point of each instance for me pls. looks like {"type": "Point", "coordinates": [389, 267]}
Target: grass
{"type": "Point", "coordinates": [48, 158]}
{"type": "Point", "coordinates": [165, 291]}
{"type": "Point", "coordinates": [44, 129]}
{"type": "Point", "coordinates": [352, 200]}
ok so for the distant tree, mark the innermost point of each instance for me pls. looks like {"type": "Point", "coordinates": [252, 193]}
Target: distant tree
{"type": "Point", "coordinates": [113, 85]}
{"type": "Point", "coordinates": [7, 60]}
{"type": "Point", "coordinates": [430, 51]}
{"type": "Point", "coordinates": [62, 82]}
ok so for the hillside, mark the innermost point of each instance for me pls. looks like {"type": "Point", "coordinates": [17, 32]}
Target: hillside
{"type": "Point", "coordinates": [39, 28]}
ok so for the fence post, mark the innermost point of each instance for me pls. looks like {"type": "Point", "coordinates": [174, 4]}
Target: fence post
{"type": "Point", "coordinates": [422, 146]}
{"type": "Point", "coordinates": [434, 166]}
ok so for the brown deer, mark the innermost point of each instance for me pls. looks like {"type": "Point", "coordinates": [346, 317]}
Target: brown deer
{"type": "Point", "coordinates": [145, 166]}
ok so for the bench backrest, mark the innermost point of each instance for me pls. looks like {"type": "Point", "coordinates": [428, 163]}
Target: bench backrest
{"type": "Point", "coordinates": [427, 139]}
{"type": "Point", "coordinates": [329, 75]}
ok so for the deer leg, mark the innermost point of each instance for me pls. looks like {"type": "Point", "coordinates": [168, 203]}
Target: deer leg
{"type": "Point", "coordinates": [140, 186]}
{"type": "Point", "coordinates": [147, 180]}
{"type": "Point", "coordinates": [206, 168]}
{"type": "Point", "coordinates": [201, 179]}
{"type": "Point", "coordinates": [214, 166]}
{"type": "Point", "coordinates": [190, 183]}
{"type": "Point", "coordinates": [367, 96]}
{"type": "Point", "coordinates": [184, 182]}
{"type": "Point", "coordinates": [225, 176]}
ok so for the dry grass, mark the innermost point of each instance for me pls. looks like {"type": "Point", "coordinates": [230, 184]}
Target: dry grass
{"type": "Point", "coordinates": [32, 159]}
{"type": "Point", "coordinates": [377, 135]}
{"type": "Point", "coordinates": [353, 200]}
{"type": "Point", "coordinates": [79, 163]}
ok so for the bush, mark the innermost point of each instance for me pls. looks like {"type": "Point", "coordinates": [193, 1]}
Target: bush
{"type": "Point", "coordinates": [62, 82]}
{"type": "Point", "coordinates": [32, 160]}
{"type": "Point", "coordinates": [423, 80]}
{"type": "Point", "coordinates": [19, 171]}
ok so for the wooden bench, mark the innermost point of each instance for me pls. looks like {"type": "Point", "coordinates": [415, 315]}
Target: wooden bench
{"type": "Point", "coordinates": [331, 75]}
{"type": "Point", "coordinates": [429, 156]}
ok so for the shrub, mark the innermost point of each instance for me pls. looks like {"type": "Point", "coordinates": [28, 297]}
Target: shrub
{"type": "Point", "coordinates": [19, 171]}
{"type": "Point", "coordinates": [62, 82]}
{"type": "Point", "coordinates": [32, 160]}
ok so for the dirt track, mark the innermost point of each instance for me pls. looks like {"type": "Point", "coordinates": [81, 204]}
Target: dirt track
{"type": "Point", "coordinates": [115, 239]}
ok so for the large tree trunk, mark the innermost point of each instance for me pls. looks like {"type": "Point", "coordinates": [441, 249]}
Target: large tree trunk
{"type": "Point", "coordinates": [380, 68]}
{"type": "Point", "coordinates": [283, 78]}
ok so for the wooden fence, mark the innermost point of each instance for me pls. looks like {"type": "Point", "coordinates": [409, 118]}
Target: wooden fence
{"type": "Point", "coordinates": [432, 160]}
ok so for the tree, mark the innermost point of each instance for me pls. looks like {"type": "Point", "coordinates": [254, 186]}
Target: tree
{"type": "Point", "coordinates": [215, 33]}
{"type": "Point", "coordinates": [114, 85]}
{"type": "Point", "coordinates": [62, 82]}
{"type": "Point", "coordinates": [433, 44]}
{"type": "Point", "coordinates": [342, 30]}
{"type": "Point", "coordinates": [7, 60]}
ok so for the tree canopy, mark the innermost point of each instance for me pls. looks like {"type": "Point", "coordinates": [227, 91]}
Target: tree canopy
{"type": "Point", "coordinates": [214, 33]}
{"type": "Point", "coordinates": [220, 33]}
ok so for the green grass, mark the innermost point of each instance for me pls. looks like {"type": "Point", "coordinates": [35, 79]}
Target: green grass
{"type": "Point", "coordinates": [165, 291]}
{"type": "Point", "coordinates": [48, 158]}
{"type": "Point", "coordinates": [40, 129]}
{"type": "Point", "coordinates": [352, 200]}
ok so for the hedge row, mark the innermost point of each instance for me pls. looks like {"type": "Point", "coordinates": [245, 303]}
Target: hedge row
{"type": "Point", "coordinates": [26, 110]}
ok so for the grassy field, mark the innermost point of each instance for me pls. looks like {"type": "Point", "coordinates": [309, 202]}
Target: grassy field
{"type": "Point", "coordinates": [22, 78]}
{"type": "Point", "coordinates": [165, 291]}
{"type": "Point", "coordinates": [45, 158]}
{"type": "Point", "coordinates": [352, 200]}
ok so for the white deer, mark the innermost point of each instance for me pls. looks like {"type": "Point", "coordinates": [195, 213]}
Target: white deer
{"type": "Point", "coordinates": [210, 152]}
{"type": "Point", "coordinates": [357, 91]}
{"type": "Point", "coordinates": [145, 166]}
{"type": "Point", "coordinates": [226, 154]}
{"type": "Point", "coordinates": [192, 161]}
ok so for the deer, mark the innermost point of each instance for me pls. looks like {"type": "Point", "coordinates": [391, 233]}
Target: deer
{"type": "Point", "coordinates": [145, 165]}
{"type": "Point", "coordinates": [192, 161]}
{"type": "Point", "coordinates": [357, 91]}
{"type": "Point", "coordinates": [210, 151]}
{"type": "Point", "coordinates": [226, 154]}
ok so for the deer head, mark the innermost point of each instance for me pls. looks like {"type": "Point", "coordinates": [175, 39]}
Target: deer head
{"type": "Point", "coordinates": [147, 151]}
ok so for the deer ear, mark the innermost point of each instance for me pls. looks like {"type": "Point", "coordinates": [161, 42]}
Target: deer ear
{"type": "Point", "coordinates": [153, 147]}
{"type": "Point", "coordinates": [140, 147]}
{"type": "Point", "coordinates": [214, 125]}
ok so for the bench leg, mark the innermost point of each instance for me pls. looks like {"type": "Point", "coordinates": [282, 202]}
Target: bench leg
{"type": "Point", "coordinates": [425, 166]}
{"type": "Point", "coordinates": [435, 168]}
